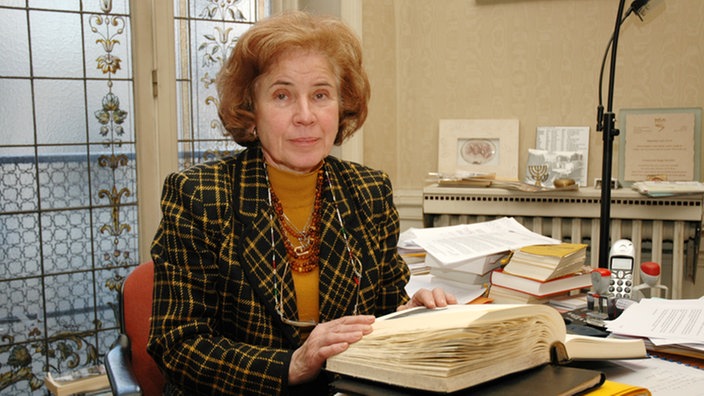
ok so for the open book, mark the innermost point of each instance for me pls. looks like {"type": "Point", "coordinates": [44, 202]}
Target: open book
{"type": "Point", "coordinates": [448, 349]}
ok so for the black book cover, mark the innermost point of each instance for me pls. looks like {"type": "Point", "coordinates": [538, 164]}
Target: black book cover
{"type": "Point", "coordinates": [544, 380]}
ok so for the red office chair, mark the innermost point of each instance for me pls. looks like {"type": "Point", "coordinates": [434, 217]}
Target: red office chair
{"type": "Point", "coordinates": [130, 369]}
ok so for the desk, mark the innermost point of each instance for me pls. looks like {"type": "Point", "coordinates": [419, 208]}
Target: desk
{"type": "Point", "coordinates": [662, 377]}
{"type": "Point", "coordinates": [664, 230]}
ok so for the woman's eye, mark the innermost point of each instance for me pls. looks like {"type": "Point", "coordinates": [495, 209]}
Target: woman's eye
{"type": "Point", "coordinates": [321, 95]}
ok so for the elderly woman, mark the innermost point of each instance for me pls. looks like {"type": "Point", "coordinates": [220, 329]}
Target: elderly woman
{"type": "Point", "coordinates": [270, 262]}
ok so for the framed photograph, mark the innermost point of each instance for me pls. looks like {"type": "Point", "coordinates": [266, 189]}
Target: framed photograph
{"type": "Point", "coordinates": [565, 149]}
{"type": "Point", "coordinates": [546, 166]}
{"type": "Point", "coordinates": [478, 147]}
{"type": "Point", "coordinates": [659, 144]}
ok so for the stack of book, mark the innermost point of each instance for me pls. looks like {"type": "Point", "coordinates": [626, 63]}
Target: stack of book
{"type": "Point", "coordinates": [538, 273]}
{"type": "Point", "coordinates": [467, 253]}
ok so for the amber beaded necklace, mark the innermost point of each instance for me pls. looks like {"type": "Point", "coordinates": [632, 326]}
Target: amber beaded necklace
{"type": "Point", "coordinates": [305, 255]}
{"type": "Point", "coordinates": [279, 280]}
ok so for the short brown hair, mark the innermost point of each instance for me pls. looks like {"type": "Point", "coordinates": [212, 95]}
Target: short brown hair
{"type": "Point", "coordinates": [260, 47]}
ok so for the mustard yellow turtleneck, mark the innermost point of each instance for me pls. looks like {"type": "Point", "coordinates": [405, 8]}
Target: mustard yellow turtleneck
{"type": "Point", "coordinates": [296, 192]}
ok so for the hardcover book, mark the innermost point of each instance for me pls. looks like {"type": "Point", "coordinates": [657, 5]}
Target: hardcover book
{"type": "Point", "coordinates": [580, 280]}
{"type": "Point", "coordinates": [453, 348]}
{"type": "Point", "coordinates": [545, 262]}
{"type": "Point", "coordinates": [502, 295]}
{"type": "Point", "coordinates": [539, 381]}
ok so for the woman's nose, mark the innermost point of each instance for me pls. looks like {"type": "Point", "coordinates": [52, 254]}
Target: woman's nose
{"type": "Point", "coordinates": [304, 113]}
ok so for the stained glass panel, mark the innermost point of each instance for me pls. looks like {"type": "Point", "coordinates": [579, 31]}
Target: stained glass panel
{"type": "Point", "coordinates": [68, 173]}
{"type": "Point", "coordinates": [206, 31]}
{"type": "Point", "coordinates": [68, 196]}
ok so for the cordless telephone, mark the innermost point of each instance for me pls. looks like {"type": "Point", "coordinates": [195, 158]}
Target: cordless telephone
{"type": "Point", "coordinates": [621, 263]}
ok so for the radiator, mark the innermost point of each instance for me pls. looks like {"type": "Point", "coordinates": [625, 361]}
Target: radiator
{"type": "Point", "coordinates": [663, 230]}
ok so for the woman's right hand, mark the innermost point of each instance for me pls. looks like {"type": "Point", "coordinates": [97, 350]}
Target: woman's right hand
{"type": "Point", "coordinates": [326, 340]}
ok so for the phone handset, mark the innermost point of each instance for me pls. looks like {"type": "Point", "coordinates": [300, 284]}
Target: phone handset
{"type": "Point", "coordinates": [621, 263]}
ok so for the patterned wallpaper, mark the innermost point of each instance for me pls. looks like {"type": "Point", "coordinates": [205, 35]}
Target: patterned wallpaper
{"type": "Point", "coordinates": [534, 60]}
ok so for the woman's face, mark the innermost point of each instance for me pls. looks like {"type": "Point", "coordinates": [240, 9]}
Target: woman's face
{"type": "Point", "coordinates": [297, 111]}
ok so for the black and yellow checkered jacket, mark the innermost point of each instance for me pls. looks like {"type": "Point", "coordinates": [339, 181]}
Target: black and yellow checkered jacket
{"type": "Point", "coordinates": [214, 328]}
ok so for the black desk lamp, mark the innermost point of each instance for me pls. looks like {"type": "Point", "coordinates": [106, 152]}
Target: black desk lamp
{"type": "Point", "coordinates": [606, 124]}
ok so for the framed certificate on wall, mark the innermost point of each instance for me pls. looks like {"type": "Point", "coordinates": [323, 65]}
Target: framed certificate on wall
{"type": "Point", "coordinates": [659, 144]}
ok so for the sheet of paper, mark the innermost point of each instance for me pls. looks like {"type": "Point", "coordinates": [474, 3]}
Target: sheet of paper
{"type": "Point", "coordinates": [674, 320]}
{"type": "Point", "coordinates": [661, 377]}
{"type": "Point", "coordinates": [562, 138]}
{"type": "Point", "coordinates": [463, 292]}
{"type": "Point", "coordinates": [660, 145]}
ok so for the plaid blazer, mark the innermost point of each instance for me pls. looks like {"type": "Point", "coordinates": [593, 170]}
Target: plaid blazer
{"type": "Point", "coordinates": [214, 329]}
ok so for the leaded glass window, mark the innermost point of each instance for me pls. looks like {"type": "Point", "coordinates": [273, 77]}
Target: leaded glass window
{"type": "Point", "coordinates": [68, 173]}
{"type": "Point", "coordinates": [68, 197]}
{"type": "Point", "coordinates": [206, 31]}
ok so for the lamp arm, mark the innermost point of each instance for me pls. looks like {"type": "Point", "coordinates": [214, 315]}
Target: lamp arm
{"type": "Point", "coordinates": [600, 108]}
{"type": "Point", "coordinates": [609, 131]}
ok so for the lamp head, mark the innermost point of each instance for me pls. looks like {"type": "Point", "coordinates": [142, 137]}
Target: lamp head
{"type": "Point", "coordinates": [644, 7]}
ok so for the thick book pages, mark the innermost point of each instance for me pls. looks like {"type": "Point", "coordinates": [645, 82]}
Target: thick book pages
{"type": "Point", "coordinates": [546, 262]}
{"type": "Point", "coordinates": [552, 253]}
{"type": "Point", "coordinates": [448, 349]}
{"type": "Point", "coordinates": [536, 288]}
{"type": "Point", "coordinates": [539, 381]}
{"type": "Point", "coordinates": [445, 350]}
{"type": "Point", "coordinates": [582, 347]}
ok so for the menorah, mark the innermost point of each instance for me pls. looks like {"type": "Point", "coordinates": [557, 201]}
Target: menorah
{"type": "Point", "coordinates": [539, 173]}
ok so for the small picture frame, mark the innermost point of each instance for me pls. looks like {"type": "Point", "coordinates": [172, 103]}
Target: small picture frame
{"type": "Point", "coordinates": [565, 141]}
{"type": "Point", "coordinates": [478, 146]}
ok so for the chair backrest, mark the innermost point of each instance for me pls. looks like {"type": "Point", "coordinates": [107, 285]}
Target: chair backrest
{"type": "Point", "coordinates": [136, 310]}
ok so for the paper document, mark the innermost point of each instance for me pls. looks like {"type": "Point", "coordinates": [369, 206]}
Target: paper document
{"type": "Point", "coordinates": [665, 321]}
{"type": "Point", "coordinates": [668, 188]}
{"type": "Point", "coordinates": [660, 377]}
{"type": "Point", "coordinates": [463, 292]}
{"type": "Point", "coordinates": [466, 241]}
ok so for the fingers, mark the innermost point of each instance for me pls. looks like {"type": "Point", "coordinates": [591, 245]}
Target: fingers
{"type": "Point", "coordinates": [330, 338]}
{"type": "Point", "coordinates": [326, 340]}
{"type": "Point", "coordinates": [442, 298]}
{"type": "Point", "coordinates": [450, 298]}
{"type": "Point", "coordinates": [435, 298]}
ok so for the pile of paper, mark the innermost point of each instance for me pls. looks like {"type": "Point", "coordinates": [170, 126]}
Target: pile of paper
{"type": "Point", "coordinates": [460, 258]}
{"type": "Point", "coordinates": [673, 326]}
{"type": "Point", "coordinates": [453, 245]}
{"type": "Point", "coordinates": [668, 188]}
